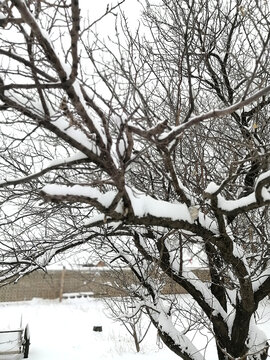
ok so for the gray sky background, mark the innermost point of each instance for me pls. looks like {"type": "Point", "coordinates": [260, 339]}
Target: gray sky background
{"type": "Point", "coordinates": [131, 8]}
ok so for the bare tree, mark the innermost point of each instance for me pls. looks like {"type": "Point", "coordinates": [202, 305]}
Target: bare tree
{"type": "Point", "coordinates": [146, 147]}
{"type": "Point", "coordinates": [124, 311]}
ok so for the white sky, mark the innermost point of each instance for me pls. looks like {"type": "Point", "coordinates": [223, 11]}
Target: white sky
{"type": "Point", "coordinates": [131, 9]}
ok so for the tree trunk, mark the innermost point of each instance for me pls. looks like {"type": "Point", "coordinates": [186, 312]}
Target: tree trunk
{"type": "Point", "coordinates": [234, 351]}
{"type": "Point", "coordinates": [136, 340]}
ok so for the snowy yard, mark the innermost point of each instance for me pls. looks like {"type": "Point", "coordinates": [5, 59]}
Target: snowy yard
{"type": "Point", "coordinates": [63, 331]}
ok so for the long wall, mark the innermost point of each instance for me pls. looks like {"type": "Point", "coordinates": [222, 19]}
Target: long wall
{"type": "Point", "coordinates": [97, 282]}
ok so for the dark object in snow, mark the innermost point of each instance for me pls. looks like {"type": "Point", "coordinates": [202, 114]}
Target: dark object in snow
{"type": "Point", "coordinates": [26, 342]}
{"type": "Point", "coordinates": [97, 328]}
{"type": "Point", "coordinates": [264, 355]}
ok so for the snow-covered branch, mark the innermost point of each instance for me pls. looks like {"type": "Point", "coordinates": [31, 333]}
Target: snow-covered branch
{"type": "Point", "coordinates": [171, 127]}
{"type": "Point", "coordinates": [55, 164]}
{"type": "Point", "coordinates": [216, 113]}
{"type": "Point", "coordinates": [258, 198]}
{"type": "Point", "coordinates": [179, 342]}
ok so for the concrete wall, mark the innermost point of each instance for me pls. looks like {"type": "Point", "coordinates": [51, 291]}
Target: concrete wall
{"type": "Point", "coordinates": [98, 282]}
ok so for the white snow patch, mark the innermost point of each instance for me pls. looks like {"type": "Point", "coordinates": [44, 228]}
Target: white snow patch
{"type": "Point", "coordinates": [144, 205]}
{"type": "Point", "coordinates": [64, 331]}
{"type": "Point", "coordinates": [257, 339]}
{"type": "Point", "coordinates": [211, 188]}
{"type": "Point", "coordinates": [262, 177]}
{"type": "Point", "coordinates": [260, 279]}
{"type": "Point", "coordinates": [230, 205]}
{"type": "Point", "coordinates": [79, 190]}
{"type": "Point", "coordinates": [208, 223]}
{"type": "Point", "coordinates": [76, 134]}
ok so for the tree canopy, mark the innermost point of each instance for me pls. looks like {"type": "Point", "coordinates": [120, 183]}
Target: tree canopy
{"type": "Point", "coordinates": [152, 147]}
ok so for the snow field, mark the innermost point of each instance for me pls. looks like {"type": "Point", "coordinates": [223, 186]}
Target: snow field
{"type": "Point", "coordinates": [64, 331]}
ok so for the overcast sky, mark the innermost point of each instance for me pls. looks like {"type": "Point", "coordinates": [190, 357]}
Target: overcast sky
{"type": "Point", "coordinates": [131, 9]}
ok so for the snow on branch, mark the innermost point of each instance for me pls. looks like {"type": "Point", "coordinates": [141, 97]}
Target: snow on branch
{"type": "Point", "coordinates": [55, 164]}
{"type": "Point", "coordinates": [258, 198]}
{"type": "Point", "coordinates": [200, 286]}
{"type": "Point", "coordinates": [73, 135]}
{"type": "Point", "coordinates": [84, 194]}
{"type": "Point", "coordinates": [261, 193]}
{"type": "Point", "coordinates": [179, 341]}
{"type": "Point", "coordinates": [66, 74]}
{"type": "Point", "coordinates": [258, 280]}
{"type": "Point", "coordinates": [216, 113]}
{"type": "Point", "coordinates": [143, 207]}
{"type": "Point", "coordinates": [42, 38]}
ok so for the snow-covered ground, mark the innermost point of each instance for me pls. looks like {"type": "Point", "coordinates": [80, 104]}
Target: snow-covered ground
{"type": "Point", "coordinates": [64, 331]}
